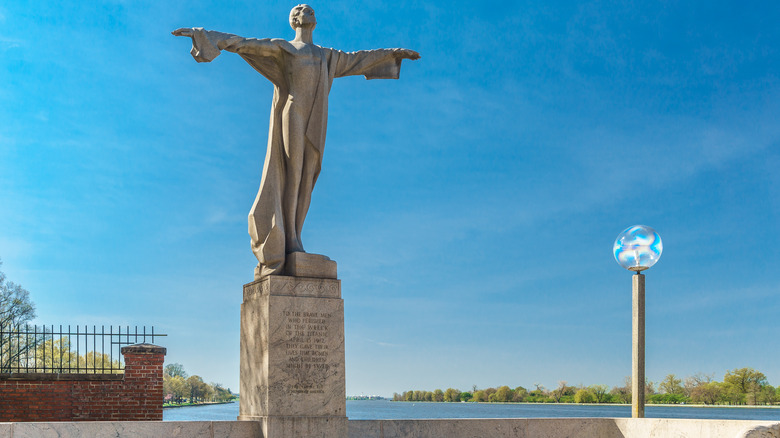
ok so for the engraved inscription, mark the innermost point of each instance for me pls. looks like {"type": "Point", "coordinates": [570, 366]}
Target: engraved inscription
{"type": "Point", "coordinates": [306, 350]}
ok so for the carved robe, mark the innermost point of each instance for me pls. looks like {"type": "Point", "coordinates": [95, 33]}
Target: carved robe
{"type": "Point", "coordinates": [302, 77]}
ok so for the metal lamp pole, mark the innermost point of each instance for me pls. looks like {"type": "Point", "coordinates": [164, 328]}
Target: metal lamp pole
{"type": "Point", "coordinates": [637, 249]}
{"type": "Point", "coordinates": [638, 346]}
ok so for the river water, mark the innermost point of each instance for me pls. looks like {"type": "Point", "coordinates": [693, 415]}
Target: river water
{"type": "Point", "coordinates": [384, 410]}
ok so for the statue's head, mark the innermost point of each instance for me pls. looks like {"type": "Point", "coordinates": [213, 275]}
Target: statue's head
{"type": "Point", "coordinates": [302, 16]}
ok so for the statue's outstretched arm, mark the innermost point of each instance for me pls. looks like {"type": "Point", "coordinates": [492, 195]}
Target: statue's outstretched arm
{"type": "Point", "coordinates": [373, 64]}
{"type": "Point", "coordinates": [207, 44]}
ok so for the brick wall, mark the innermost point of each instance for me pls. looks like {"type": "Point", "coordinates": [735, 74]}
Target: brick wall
{"type": "Point", "coordinates": [135, 395]}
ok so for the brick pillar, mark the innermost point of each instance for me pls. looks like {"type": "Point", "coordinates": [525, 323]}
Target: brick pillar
{"type": "Point", "coordinates": [143, 382]}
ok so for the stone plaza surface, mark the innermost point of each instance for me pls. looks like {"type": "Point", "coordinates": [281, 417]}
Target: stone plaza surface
{"type": "Point", "coordinates": [461, 428]}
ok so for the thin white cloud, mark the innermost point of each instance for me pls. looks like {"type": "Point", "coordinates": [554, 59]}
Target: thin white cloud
{"type": "Point", "coordinates": [218, 215]}
{"type": "Point", "coordinates": [383, 344]}
{"type": "Point", "coordinates": [42, 115]}
{"type": "Point", "coordinates": [13, 247]}
{"type": "Point", "coordinates": [723, 298]}
{"type": "Point", "coordinates": [9, 43]}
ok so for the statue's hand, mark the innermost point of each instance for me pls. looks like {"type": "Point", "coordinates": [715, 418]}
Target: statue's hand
{"type": "Point", "coordinates": [184, 31]}
{"type": "Point", "coordinates": [406, 54]}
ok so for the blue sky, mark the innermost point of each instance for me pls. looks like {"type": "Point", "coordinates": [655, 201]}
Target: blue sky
{"type": "Point", "coordinates": [471, 205]}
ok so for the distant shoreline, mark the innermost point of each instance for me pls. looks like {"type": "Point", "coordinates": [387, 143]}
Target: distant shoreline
{"type": "Point", "coordinates": [667, 405]}
{"type": "Point", "coordinates": [198, 404]}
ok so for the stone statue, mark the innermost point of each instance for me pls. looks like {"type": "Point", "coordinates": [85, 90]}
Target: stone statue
{"type": "Point", "coordinates": [302, 73]}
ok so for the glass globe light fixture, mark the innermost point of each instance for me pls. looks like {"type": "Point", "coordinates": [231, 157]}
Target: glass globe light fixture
{"type": "Point", "coordinates": [638, 248]}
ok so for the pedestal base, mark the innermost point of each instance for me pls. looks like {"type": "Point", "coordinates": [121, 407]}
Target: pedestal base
{"type": "Point", "coordinates": [292, 357]}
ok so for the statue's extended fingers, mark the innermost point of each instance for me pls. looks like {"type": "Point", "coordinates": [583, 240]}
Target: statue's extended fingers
{"type": "Point", "coordinates": [184, 31]}
{"type": "Point", "coordinates": [409, 54]}
{"type": "Point", "coordinates": [406, 54]}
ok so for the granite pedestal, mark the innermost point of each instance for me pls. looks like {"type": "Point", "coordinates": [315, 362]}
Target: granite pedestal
{"type": "Point", "coordinates": [292, 357]}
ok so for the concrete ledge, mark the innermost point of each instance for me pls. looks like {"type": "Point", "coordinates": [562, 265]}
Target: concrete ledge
{"type": "Point", "coordinates": [449, 428]}
{"type": "Point", "coordinates": [563, 428]}
{"type": "Point", "coordinates": [493, 428]}
{"type": "Point", "coordinates": [667, 427]}
{"type": "Point", "coordinates": [133, 429]}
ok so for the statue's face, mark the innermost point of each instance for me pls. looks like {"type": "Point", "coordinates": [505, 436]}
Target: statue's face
{"type": "Point", "coordinates": [301, 16]}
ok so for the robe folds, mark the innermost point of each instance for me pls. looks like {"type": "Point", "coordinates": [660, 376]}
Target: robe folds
{"type": "Point", "coordinates": [296, 135]}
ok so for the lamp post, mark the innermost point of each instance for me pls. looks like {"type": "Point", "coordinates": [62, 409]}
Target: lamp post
{"type": "Point", "coordinates": [638, 248]}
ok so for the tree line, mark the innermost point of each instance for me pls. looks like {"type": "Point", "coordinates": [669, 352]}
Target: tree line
{"type": "Point", "coordinates": [181, 389]}
{"type": "Point", "coordinates": [740, 386]}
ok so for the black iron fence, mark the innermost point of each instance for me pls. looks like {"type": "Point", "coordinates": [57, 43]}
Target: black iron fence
{"type": "Point", "coordinates": [42, 349]}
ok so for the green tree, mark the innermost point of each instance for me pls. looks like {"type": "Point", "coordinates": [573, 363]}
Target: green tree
{"type": "Point", "coordinates": [438, 395]}
{"type": "Point", "coordinates": [95, 360]}
{"type": "Point", "coordinates": [208, 392]}
{"type": "Point", "coordinates": [559, 391]}
{"type": "Point", "coordinates": [600, 392]}
{"type": "Point", "coordinates": [671, 399]}
{"type": "Point", "coordinates": [768, 395]}
{"type": "Point", "coordinates": [56, 355]}
{"type": "Point", "coordinates": [671, 385]}
{"type": "Point", "coordinates": [519, 394]}
{"type": "Point", "coordinates": [694, 381]}
{"type": "Point", "coordinates": [622, 394]}
{"type": "Point", "coordinates": [503, 394]}
{"type": "Point", "coordinates": [16, 308]}
{"type": "Point", "coordinates": [465, 396]}
{"type": "Point", "coordinates": [584, 396]}
{"type": "Point", "coordinates": [174, 370]}
{"type": "Point", "coordinates": [198, 389]}
{"type": "Point", "coordinates": [743, 385]}
{"type": "Point", "coordinates": [176, 387]}
{"type": "Point", "coordinates": [707, 393]}
{"type": "Point", "coordinates": [479, 396]}
{"type": "Point", "coordinates": [452, 395]}
{"type": "Point", "coordinates": [222, 394]}
{"type": "Point", "coordinates": [538, 395]}
{"type": "Point", "coordinates": [649, 388]}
